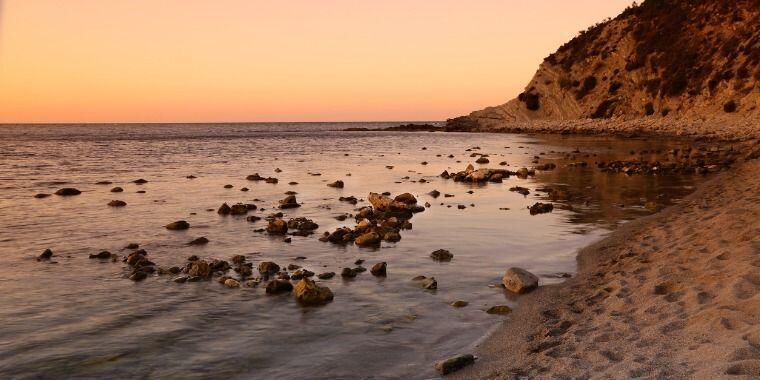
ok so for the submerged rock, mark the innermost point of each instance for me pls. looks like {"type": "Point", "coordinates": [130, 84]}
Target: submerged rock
{"type": "Point", "coordinates": [199, 268]}
{"type": "Point", "coordinates": [348, 273]}
{"type": "Point", "coordinates": [46, 255]}
{"type": "Point", "coordinates": [41, 195]}
{"type": "Point", "coordinates": [289, 202]}
{"type": "Point", "coordinates": [541, 208]}
{"type": "Point", "coordinates": [178, 225]}
{"type": "Point", "coordinates": [101, 255]}
{"type": "Point", "coordinates": [277, 227]}
{"type": "Point", "coordinates": [499, 310]}
{"type": "Point", "coordinates": [453, 364]}
{"type": "Point", "coordinates": [459, 303]}
{"type": "Point", "coordinates": [117, 203]}
{"type": "Point", "coordinates": [337, 184]}
{"type": "Point", "coordinates": [308, 293]}
{"type": "Point", "coordinates": [441, 255]}
{"type": "Point", "coordinates": [379, 269]}
{"type": "Point", "coordinates": [521, 190]}
{"type": "Point", "coordinates": [279, 286]}
{"type": "Point", "coordinates": [68, 191]}
{"type": "Point", "coordinates": [518, 280]}
{"type": "Point", "coordinates": [117, 189]}
{"type": "Point", "coordinates": [326, 275]}
{"type": "Point", "coordinates": [199, 241]}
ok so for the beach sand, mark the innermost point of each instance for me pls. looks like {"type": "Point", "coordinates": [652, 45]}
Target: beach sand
{"type": "Point", "coordinates": [671, 295]}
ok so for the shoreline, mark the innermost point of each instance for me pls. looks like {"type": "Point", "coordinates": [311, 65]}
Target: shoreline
{"type": "Point", "coordinates": [654, 298]}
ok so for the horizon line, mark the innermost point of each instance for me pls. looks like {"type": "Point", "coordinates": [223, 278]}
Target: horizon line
{"type": "Point", "coordinates": [220, 122]}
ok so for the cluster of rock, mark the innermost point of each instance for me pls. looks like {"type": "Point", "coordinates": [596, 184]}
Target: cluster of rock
{"type": "Point", "coordinates": [482, 175]}
{"type": "Point", "coordinates": [383, 221]}
{"type": "Point", "coordinates": [256, 177]}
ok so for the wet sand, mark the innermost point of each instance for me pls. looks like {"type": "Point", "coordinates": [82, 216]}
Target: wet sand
{"type": "Point", "coordinates": [671, 295]}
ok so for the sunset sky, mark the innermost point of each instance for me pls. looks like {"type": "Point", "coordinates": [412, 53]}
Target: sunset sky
{"type": "Point", "coordinates": [298, 60]}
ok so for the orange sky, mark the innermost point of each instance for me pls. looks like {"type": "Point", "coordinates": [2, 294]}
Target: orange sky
{"type": "Point", "coordinates": [297, 60]}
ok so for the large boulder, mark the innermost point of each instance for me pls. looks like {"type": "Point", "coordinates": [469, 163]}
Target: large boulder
{"type": "Point", "coordinates": [308, 293]}
{"type": "Point", "coordinates": [518, 280]}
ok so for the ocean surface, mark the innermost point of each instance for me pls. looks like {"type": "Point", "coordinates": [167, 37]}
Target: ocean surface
{"type": "Point", "coordinates": [76, 317]}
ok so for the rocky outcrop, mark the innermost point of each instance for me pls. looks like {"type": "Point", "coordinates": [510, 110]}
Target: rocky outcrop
{"type": "Point", "coordinates": [627, 68]}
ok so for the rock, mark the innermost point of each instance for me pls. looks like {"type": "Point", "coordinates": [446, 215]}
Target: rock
{"type": "Point", "coordinates": [368, 239]}
{"type": "Point", "coordinates": [522, 172]}
{"type": "Point", "coordinates": [199, 241]}
{"type": "Point", "coordinates": [326, 275]}
{"type": "Point", "coordinates": [68, 191]}
{"type": "Point", "coordinates": [228, 186]}
{"type": "Point", "coordinates": [520, 190]}
{"type": "Point", "coordinates": [426, 283]}
{"type": "Point", "coordinates": [117, 189]}
{"type": "Point", "coordinates": [138, 276]}
{"type": "Point", "coordinates": [239, 209]}
{"type": "Point", "coordinates": [482, 160]}
{"type": "Point", "coordinates": [178, 225]}
{"type": "Point", "coordinates": [279, 286]}
{"type": "Point", "coordinates": [302, 224]}
{"type": "Point", "coordinates": [392, 236]}
{"type": "Point", "coordinates": [435, 193]}
{"type": "Point", "coordinates": [453, 364]}
{"type": "Point", "coordinates": [232, 283]}
{"type": "Point", "coordinates": [289, 202]}
{"type": "Point", "coordinates": [441, 255]}
{"type": "Point", "coordinates": [200, 268]}
{"type": "Point", "coordinates": [101, 255]}
{"type": "Point", "coordinates": [337, 184]}
{"type": "Point", "coordinates": [254, 177]}
{"type": "Point", "coordinates": [224, 209]}
{"type": "Point", "coordinates": [238, 259]}
{"type": "Point", "coordinates": [180, 279]}
{"type": "Point", "coordinates": [518, 280]}
{"type": "Point", "coordinates": [459, 303]}
{"type": "Point", "coordinates": [541, 208]}
{"type": "Point", "coordinates": [379, 269]}
{"type": "Point", "coordinates": [117, 203]}
{"type": "Point", "coordinates": [348, 273]}
{"type": "Point", "coordinates": [271, 180]}
{"type": "Point", "coordinates": [140, 181]}
{"type": "Point", "coordinates": [45, 255]}
{"type": "Point", "coordinates": [132, 246]}
{"type": "Point", "coordinates": [308, 293]}
{"type": "Point", "coordinates": [41, 195]}
{"type": "Point", "coordinates": [268, 268]}
{"type": "Point", "coordinates": [499, 310]}
{"type": "Point", "coordinates": [277, 227]}
{"type": "Point", "coordinates": [406, 198]}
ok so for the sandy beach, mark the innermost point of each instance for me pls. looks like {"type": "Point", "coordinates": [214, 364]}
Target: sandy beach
{"type": "Point", "coordinates": [671, 295]}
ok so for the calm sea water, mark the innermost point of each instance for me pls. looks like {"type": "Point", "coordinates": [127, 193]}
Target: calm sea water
{"type": "Point", "coordinates": [83, 318]}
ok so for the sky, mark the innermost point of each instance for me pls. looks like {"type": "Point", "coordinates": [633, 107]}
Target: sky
{"type": "Point", "coordinates": [85, 61]}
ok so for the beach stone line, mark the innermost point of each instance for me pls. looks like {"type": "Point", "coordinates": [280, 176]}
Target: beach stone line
{"type": "Point", "coordinates": [518, 280]}
{"type": "Point", "coordinates": [447, 366]}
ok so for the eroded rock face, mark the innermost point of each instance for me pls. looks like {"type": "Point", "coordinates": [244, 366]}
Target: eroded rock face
{"type": "Point", "coordinates": [308, 293]}
{"type": "Point", "coordinates": [518, 280]}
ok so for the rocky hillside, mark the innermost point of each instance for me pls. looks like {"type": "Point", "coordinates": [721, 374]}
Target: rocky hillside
{"type": "Point", "coordinates": [663, 59]}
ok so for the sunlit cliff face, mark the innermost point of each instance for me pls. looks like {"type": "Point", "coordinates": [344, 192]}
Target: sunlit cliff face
{"type": "Point", "coordinates": [235, 60]}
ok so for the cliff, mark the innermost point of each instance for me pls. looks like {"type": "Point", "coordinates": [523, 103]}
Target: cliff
{"type": "Point", "coordinates": [661, 61]}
